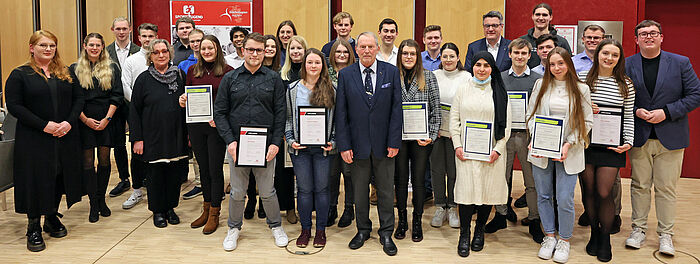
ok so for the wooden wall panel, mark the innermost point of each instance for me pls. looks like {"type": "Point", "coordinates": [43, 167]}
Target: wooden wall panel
{"type": "Point", "coordinates": [60, 17]}
{"type": "Point", "coordinates": [14, 39]}
{"type": "Point", "coordinates": [461, 21]}
{"type": "Point", "coordinates": [100, 14]}
{"type": "Point", "coordinates": [310, 18]}
{"type": "Point", "coordinates": [368, 13]}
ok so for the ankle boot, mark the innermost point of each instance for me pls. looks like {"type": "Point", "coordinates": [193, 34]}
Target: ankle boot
{"type": "Point", "coordinates": [402, 226]}
{"type": "Point", "coordinates": [510, 213]}
{"type": "Point", "coordinates": [212, 221]}
{"type": "Point", "coordinates": [347, 217]}
{"type": "Point", "coordinates": [463, 245]}
{"type": "Point", "coordinates": [535, 230]}
{"type": "Point", "coordinates": [102, 182]}
{"type": "Point", "coordinates": [417, 228]}
{"type": "Point", "coordinates": [478, 240]}
{"type": "Point", "coordinates": [497, 223]}
{"type": "Point", "coordinates": [91, 187]}
{"type": "Point", "coordinates": [35, 242]}
{"type": "Point", "coordinates": [53, 226]}
{"type": "Point", "coordinates": [593, 243]}
{"type": "Point", "coordinates": [332, 215]}
{"type": "Point", "coordinates": [604, 253]}
{"type": "Point", "coordinates": [202, 220]}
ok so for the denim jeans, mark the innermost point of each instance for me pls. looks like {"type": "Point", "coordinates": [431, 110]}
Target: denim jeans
{"type": "Point", "coordinates": [311, 168]}
{"type": "Point", "coordinates": [566, 184]}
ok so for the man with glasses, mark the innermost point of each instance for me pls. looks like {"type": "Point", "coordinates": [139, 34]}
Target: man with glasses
{"type": "Point", "coordinates": [667, 89]}
{"type": "Point", "coordinates": [492, 42]}
{"type": "Point", "coordinates": [592, 36]}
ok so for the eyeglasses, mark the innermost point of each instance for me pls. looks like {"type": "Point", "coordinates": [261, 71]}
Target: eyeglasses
{"type": "Point", "coordinates": [491, 25]}
{"type": "Point", "coordinates": [254, 51]}
{"type": "Point", "coordinates": [592, 37]}
{"type": "Point", "coordinates": [47, 46]}
{"type": "Point", "coordinates": [408, 54]}
{"type": "Point", "coordinates": [652, 34]}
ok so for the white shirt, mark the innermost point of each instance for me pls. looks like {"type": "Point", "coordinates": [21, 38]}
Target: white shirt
{"type": "Point", "coordinates": [392, 58]}
{"type": "Point", "coordinates": [493, 49]}
{"type": "Point", "coordinates": [234, 60]}
{"type": "Point", "coordinates": [373, 75]}
{"type": "Point", "coordinates": [122, 54]}
{"type": "Point", "coordinates": [525, 73]}
{"type": "Point", "coordinates": [133, 66]}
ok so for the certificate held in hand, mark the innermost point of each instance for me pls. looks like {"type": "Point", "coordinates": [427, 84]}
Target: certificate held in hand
{"type": "Point", "coordinates": [252, 147]}
{"type": "Point", "coordinates": [415, 121]}
{"type": "Point", "coordinates": [199, 107]}
{"type": "Point", "coordinates": [607, 127]}
{"type": "Point", "coordinates": [547, 137]}
{"type": "Point", "coordinates": [312, 126]}
{"type": "Point", "coordinates": [477, 140]}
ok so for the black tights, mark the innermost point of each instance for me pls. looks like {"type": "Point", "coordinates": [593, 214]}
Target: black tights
{"type": "Point", "coordinates": [467, 210]}
{"type": "Point", "coordinates": [102, 157]}
{"type": "Point", "coordinates": [598, 200]}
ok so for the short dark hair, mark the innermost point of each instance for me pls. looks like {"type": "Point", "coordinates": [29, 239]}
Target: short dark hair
{"type": "Point", "coordinates": [388, 21]}
{"type": "Point", "coordinates": [184, 19]}
{"type": "Point", "coordinates": [431, 28]}
{"type": "Point", "coordinates": [255, 36]}
{"type": "Point", "coordinates": [543, 5]}
{"type": "Point", "coordinates": [495, 14]}
{"type": "Point", "coordinates": [519, 43]}
{"type": "Point", "coordinates": [148, 26]}
{"type": "Point", "coordinates": [237, 29]}
{"type": "Point", "coordinates": [545, 37]}
{"type": "Point", "coordinates": [647, 23]}
{"type": "Point", "coordinates": [594, 27]}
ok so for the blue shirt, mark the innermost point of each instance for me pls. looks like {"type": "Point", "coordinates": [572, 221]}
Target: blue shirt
{"type": "Point", "coordinates": [582, 62]}
{"type": "Point", "coordinates": [185, 64]}
{"type": "Point", "coordinates": [429, 63]}
{"type": "Point", "coordinates": [303, 95]}
{"type": "Point", "coordinates": [539, 69]}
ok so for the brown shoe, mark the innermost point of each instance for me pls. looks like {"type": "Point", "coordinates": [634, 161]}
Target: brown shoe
{"type": "Point", "coordinates": [292, 216]}
{"type": "Point", "coordinates": [202, 218]}
{"type": "Point", "coordinates": [213, 221]}
{"type": "Point", "coordinates": [320, 239]}
{"type": "Point", "coordinates": [373, 195]}
{"type": "Point", "coordinates": [304, 237]}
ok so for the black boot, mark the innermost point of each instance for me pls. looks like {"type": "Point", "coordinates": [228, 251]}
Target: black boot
{"type": "Point", "coordinates": [463, 245]}
{"type": "Point", "coordinates": [53, 226]}
{"type": "Point", "coordinates": [261, 210]}
{"type": "Point", "coordinates": [91, 188]}
{"type": "Point", "coordinates": [497, 223]}
{"type": "Point", "coordinates": [417, 228]}
{"type": "Point", "coordinates": [249, 210]}
{"type": "Point", "coordinates": [604, 253]}
{"type": "Point", "coordinates": [535, 230]}
{"type": "Point", "coordinates": [617, 223]}
{"type": "Point", "coordinates": [478, 240]}
{"type": "Point", "coordinates": [593, 243]}
{"type": "Point", "coordinates": [102, 182]}
{"type": "Point", "coordinates": [521, 202]}
{"type": "Point", "coordinates": [583, 219]}
{"type": "Point", "coordinates": [332, 215]}
{"type": "Point", "coordinates": [94, 209]}
{"type": "Point", "coordinates": [347, 217]}
{"type": "Point", "coordinates": [402, 226]}
{"type": "Point", "coordinates": [35, 242]}
{"type": "Point", "coordinates": [510, 214]}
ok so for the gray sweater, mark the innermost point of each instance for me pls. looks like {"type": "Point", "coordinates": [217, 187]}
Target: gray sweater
{"type": "Point", "coordinates": [522, 83]}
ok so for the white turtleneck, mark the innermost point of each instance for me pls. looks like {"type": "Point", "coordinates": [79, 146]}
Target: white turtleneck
{"type": "Point", "coordinates": [449, 82]}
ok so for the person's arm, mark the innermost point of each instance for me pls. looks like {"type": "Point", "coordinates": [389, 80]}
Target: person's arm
{"type": "Point", "coordinates": [280, 112]}
{"type": "Point", "coordinates": [396, 117]}
{"type": "Point", "coordinates": [455, 123]}
{"type": "Point", "coordinates": [127, 79]}
{"type": "Point", "coordinates": [116, 98]}
{"type": "Point", "coordinates": [14, 87]}
{"type": "Point", "coordinates": [78, 100]}
{"type": "Point", "coordinates": [136, 112]}
{"type": "Point", "coordinates": [531, 111]}
{"type": "Point", "coordinates": [691, 93]}
{"type": "Point", "coordinates": [289, 127]}
{"type": "Point", "coordinates": [222, 108]}
{"type": "Point", "coordinates": [341, 119]}
{"type": "Point", "coordinates": [434, 116]}
{"type": "Point", "coordinates": [468, 59]}
{"type": "Point", "coordinates": [628, 104]}
{"type": "Point", "coordinates": [501, 143]}
{"type": "Point", "coordinates": [575, 136]}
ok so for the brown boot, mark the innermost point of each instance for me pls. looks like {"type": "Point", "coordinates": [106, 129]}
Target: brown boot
{"type": "Point", "coordinates": [213, 221]}
{"type": "Point", "coordinates": [202, 218]}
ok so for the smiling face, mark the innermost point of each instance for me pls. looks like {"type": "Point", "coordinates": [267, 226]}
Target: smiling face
{"type": "Point", "coordinates": [449, 59]}
{"type": "Point", "coordinates": [591, 39]}
{"type": "Point", "coordinates": [296, 52]}
{"type": "Point", "coordinates": [432, 40]}
{"type": "Point", "coordinates": [121, 30]}
{"type": "Point", "coordinates": [482, 70]}
{"type": "Point", "coordinates": [237, 39]}
{"type": "Point", "coordinates": [43, 50]}
{"type": "Point", "coordinates": [285, 34]}
{"type": "Point", "coordinates": [649, 39]}
{"type": "Point", "coordinates": [367, 50]}
{"type": "Point", "coordinates": [544, 48]}
{"type": "Point", "coordinates": [93, 48]}
{"type": "Point", "coordinates": [541, 18]}
{"type": "Point", "coordinates": [557, 66]}
{"type": "Point", "coordinates": [160, 56]}
{"type": "Point", "coordinates": [314, 65]}
{"type": "Point", "coordinates": [519, 56]}
{"type": "Point", "coordinates": [183, 31]}
{"type": "Point", "coordinates": [195, 41]}
{"type": "Point", "coordinates": [342, 55]}
{"type": "Point", "coordinates": [388, 34]}
{"type": "Point", "coordinates": [408, 57]}
{"type": "Point", "coordinates": [270, 48]}
{"type": "Point", "coordinates": [492, 28]}
{"type": "Point", "coordinates": [207, 50]}
{"type": "Point", "coordinates": [253, 53]}
{"type": "Point", "coordinates": [608, 57]}
{"type": "Point", "coordinates": [343, 28]}
{"type": "Point", "coordinates": [146, 36]}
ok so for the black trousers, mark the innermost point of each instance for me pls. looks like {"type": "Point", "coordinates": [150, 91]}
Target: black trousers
{"type": "Point", "coordinates": [164, 185]}
{"type": "Point", "coordinates": [338, 166]}
{"type": "Point", "coordinates": [209, 149]}
{"type": "Point", "coordinates": [120, 156]}
{"type": "Point", "coordinates": [383, 169]}
{"type": "Point", "coordinates": [284, 183]}
{"type": "Point", "coordinates": [419, 156]}
{"type": "Point", "coordinates": [138, 170]}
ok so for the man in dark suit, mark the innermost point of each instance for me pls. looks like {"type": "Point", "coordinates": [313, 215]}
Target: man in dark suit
{"type": "Point", "coordinates": [492, 42]}
{"type": "Point", "coordinates": [667, 89]}
{"type": "Point", "coordinates": [368, 132]}
{"type": "Point", "coordinates": [119, 50]}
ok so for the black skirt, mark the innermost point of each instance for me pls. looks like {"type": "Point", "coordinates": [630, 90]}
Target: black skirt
{"type": "Point", "coordinates": [602, 157]}
{"type": "Point", "coordinates": [93, 138]}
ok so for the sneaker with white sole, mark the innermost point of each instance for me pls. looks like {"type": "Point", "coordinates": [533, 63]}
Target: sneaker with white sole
{"type": "Point", "coordinates": [281, 239]}
{"type": "Point", "coordinates": [547, 247]}
{"type": "Point", "coordinates": [636, 238]}
{"type": "Point", "coordinates": [134, 199]}
{"type": "Point", "coordinates": [561, 251]}
{"type": "Point", "coordinates": [231, 240]}
{"type": "Point", "coordinates": [666, 245]}
{"type": "Point", "coordinates": [453, 217]}
{"type": "Point", "coordinates": [439, 217]}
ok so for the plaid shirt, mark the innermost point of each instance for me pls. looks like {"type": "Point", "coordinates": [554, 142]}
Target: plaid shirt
{"type": "Point", "coordinates": [431, 95]}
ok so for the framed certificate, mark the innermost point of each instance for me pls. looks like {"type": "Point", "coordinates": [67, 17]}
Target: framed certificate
{"type": "Point", "coordinates": [547, 136]}
{"type": "Point", "coordinates": [252, 147]}
{"type": "Point", "coordinates": [607, 127]}
{"type": "Point", "coordinates": [477, 143]}
{"type": "Point", "coordinates": [445, 110]}
{"type": "Point", "coordinates": [313, 128]}
{"type": "Point", "coordinates": [415, 121]}
{"type": "Point", "coordinates": [518, 108]}
{"type": "Point", "coordinates": [199, 107]}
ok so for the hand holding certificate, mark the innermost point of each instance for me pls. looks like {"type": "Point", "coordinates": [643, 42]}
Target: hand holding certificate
{"type": "Point", "coordinates": [252, 147]}
{"type": "Point", "coordinates": [607, 126]}
{"type": "Point", "coordinates": [547, 137]}
{"type": "Point", "coordinates": [415, 121]}
{"type": "Point", "coordinates": [312, 126]}
{"type": "Point", "coordinates": [199, 106]}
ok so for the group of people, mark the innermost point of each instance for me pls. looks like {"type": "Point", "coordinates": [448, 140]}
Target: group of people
{"type": "Point", "coordinates": [362, 83]}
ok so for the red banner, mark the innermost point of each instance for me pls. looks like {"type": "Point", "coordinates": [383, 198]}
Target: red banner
{"type": "Point", "coordinates": [213, 13]}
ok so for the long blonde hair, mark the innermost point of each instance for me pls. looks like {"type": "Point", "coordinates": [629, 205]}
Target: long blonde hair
{"type": "Point", "coordinates": [102, 70]}
{"type": "Point", "coordinates": [287, 60]}
{"type": "Point", "coordinates": [56, 66]}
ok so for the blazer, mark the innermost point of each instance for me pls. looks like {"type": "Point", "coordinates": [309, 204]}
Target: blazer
{"type": "Point", "coordinates": [575, 159]}
{"type": "Point", "coordinates": [112, 50]}
{"type": "Point", "coordinates": [431, 95]}
{"type": "Point", "coordinates": [366, 125]}
{"type": "Point", "coordinates": [677, 90]}
{"type": "Point", "coordinates": [503, 62]}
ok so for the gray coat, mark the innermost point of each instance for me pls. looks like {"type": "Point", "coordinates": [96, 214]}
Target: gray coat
{"type": "Point", "coordinates": [291, 132]}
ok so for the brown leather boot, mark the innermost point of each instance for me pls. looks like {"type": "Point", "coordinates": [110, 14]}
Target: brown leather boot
{"type": "Point", "coordinates": [202, 218]}
{"type": "Point", "coordinates": [213, 221]}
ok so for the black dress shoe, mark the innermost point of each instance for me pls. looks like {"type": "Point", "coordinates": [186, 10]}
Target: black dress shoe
{"type": "Point", "coordinates": [525, 221]}
{"type": "Point", "coordinates": [535, 230]}
{"type": "Point", "coordinates": [35, 242]}
{"type": "Point", "coordinates": [521, 202]}
{"type": "Point", "coordinates": [347, 217]}
{"type": "Point", "coordinates": [417, 229]}
{"type": "Point", "coordinates": [463, 245]}
{"type": "Point", "coordinates": [54, 227]}
{"type": "Point", "coordinates": [583, 220]}
{"type": "Point", "coordinates": [121, 187]}
{"type": "Point", "coordinates": [388, 245]}
{"type": "Point", "coordinates": [332, 215]}
{"type": "Point", "coordinates": [615, 228]}
{"type": "Point", "coordinates": [358, 240]}
{"type": "Point", "coordinates": [497, 223]}
{"type": "Point", "coordinates": [173, 219]}
{"type": "Point", "coordinates": [159, 220]}
{"type": "Point", "coordinates": [478, 240]}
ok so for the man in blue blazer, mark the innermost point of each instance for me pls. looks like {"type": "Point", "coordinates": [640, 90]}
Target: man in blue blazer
{"type": "Point", "coordinates": [492, 42]}
{"type": "Point", "coordinates": [667, 89]}
{"type": "Point", "coordinates": [368, 133]}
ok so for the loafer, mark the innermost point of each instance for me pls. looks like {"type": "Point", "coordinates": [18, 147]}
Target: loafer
{"type": "Point", "coordinates": [388, 245]}
{"type": "Point", "coordinates": [121, 187]}
{"type": "Point", "coordinates": [358, 240]}
{"type": "Point", "coordinates": [159, 220]}
{"type": "Point", "coordinates": [173, 219]}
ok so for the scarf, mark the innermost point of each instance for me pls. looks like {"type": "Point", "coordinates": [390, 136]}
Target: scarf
{"type": "Point", "coordinates": [500, 96]}
{"type": "Point", "coordinates": [169, 78]}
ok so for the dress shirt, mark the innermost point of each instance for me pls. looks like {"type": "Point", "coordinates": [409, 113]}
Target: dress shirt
{"type": "Point", "coordinates": [539, 69]}
{"type": "Point", "coordinates": [133, 66]}
{"type": "Point", "coordinates": [122, 54]}
{"type": "Point", "coordinates": [372, 75]}
{"type": "Point", "coordinates": [234, 60]}
{"type": "Point", "coordinates": [493, 49]}
{"type": "Point", "coordinates": [525, 73]}
{"type": "Point", "coordinates": [429, 63]}
{"type": "Point", "coordinates": [392, 58]}
{"type": "Point", "coordinates": [582, 62]}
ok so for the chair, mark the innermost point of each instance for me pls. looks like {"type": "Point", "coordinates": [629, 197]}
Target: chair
{"type": "Point", "coordinates": [7, 146]}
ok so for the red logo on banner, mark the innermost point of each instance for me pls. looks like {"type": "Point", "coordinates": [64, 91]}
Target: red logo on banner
{"type": "Point", "coordinates": [212, 13]}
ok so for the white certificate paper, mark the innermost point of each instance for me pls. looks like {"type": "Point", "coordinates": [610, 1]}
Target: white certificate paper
{"type": "Point", "coordinates": [547, 137]}
{"type": "Point", "coordinates": [415, 120]}
{"type": "Point", "coordinates": [312, 126]}
{"type": "Point", "coordinates": [199, 107]}
{"type": "Point", "coordinates": [445, 111]}
{"type": "Point", "coordinates": [607, 127]}
{"type": "Point", "coordinates": [252, 147]}
{"type": "Point", "coordinates": [477, 143]}
{"type": "Point", "coordinates": [518, 108]}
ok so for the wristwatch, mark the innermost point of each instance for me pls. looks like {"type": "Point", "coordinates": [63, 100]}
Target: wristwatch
{"type": "Point", "coordinates": [109, 118]}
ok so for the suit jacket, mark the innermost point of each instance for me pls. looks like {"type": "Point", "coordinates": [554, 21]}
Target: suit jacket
{"type": "Point", "coordinates": [677, 90]}
{"type": "Point", "coordinates": [112, 50]}
{"type": "Point", "coordinates": [503, 61]}
{"type": "Point", "coordinates": [368, 125]}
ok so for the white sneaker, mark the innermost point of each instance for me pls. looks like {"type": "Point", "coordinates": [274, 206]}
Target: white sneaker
{"type": "Point", "coordinates": [561, 251]}
{"type": "Point", "coordinates": [666, 245]}
{"type": "Point", "coordinates": [135, 198]}
{"type": "Point", "coordinates": [439, 217]}
{"type": "Point", "coordinates": [636, 238]}
{"type": "Point", "coordinates": [453, 217]}
{"type": "Point", "coordinates": [281, 239]}
{"type": "Point", "coordinates": [547, 247]}
{"type": "Point", "coordinates": [231, 240]}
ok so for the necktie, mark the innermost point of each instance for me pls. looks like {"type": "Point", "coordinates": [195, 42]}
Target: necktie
{"type": "Point", "coordinates": [368, 81]}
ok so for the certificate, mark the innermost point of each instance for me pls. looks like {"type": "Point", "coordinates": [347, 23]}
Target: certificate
{"type": "Point", "coordinates": [199, 107]}
{"type": "Point", "coordinates": [445, 110]}
{"type": "Point", "coordinates": [415, 121]}
{"type": "Point", "coordinates": [518, 109]}
{"type": "Point", "coordinates": [477, 143]}
{"type": "Point", "coordinates": [252, 147]}
{"type": "Point", "coordinates": [607, 127]}
{"type": "Point", "coordinates": [312, 126]}
{"type": "Point", "coordinates": [547, 137]}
